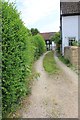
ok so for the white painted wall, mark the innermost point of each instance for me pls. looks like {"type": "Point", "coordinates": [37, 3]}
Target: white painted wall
{"type": "Point", "coordinates": [53, 46]}
{"type": "Point", "coordinates": [69, 29]}
{"type": "Point", "coordinates": [79, 27]}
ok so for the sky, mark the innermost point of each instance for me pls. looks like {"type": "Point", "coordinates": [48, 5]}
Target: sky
{"type": "Point", "coordinates": [41, 14]}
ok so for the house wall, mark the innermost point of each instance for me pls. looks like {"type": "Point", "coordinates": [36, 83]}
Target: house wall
{"type": "Point", "coordinates": [79, 27]}
{"type": "Point", "coordinates": [69, 29]}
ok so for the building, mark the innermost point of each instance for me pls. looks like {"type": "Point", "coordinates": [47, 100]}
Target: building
{"type": "Point", "coordinates": [69, 22]}
{"type": "Point", "coordinates": [47, 37]}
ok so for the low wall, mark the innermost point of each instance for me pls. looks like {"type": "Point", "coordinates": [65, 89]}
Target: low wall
{"type": "Point", "coordinates": [72, 53]}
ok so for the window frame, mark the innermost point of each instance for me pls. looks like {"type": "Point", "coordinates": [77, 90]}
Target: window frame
{"type": "Point", "coordinates": [70, 40]}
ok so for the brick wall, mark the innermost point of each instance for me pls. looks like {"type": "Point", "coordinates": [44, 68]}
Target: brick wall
{"type": "Point", "coordinates": [73, 55]}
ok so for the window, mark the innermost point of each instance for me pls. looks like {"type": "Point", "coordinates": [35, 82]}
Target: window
{"type": "Point", "coordinates": [71, 40]}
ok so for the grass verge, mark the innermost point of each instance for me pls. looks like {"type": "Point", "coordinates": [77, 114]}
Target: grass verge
{"type": "Point", "coordinates": [65, 61]}
{"type": "Point", "coordinates": [49, 63]}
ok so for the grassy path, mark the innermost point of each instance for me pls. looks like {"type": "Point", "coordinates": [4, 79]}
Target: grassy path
{"type": "Point", "coordinates": [49, 63]}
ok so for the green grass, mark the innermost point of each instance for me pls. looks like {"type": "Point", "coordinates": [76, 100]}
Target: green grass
{"type": "Point", "coordinates": [49, 63]}
{"type": "Point", "coordinates": [65, 61]}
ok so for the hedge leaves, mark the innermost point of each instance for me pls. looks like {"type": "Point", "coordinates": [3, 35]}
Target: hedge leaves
{"type": "Point", "coordinates": [20, 49]}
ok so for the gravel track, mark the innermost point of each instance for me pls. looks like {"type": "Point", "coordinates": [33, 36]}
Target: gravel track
{"type": "Point", "coordinates": [53, 96]}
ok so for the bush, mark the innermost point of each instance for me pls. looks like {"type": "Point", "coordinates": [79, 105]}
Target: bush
{"type": "Point", "coordinates": [39, 44]}
{"type": "Point", "coordinates": [76, 43]}
{"type": "Point", "coordinates": [16, 57]}
{"type": "Point", "coordinates": [64, 60]}
{"type": "Point", "coordinates": [19, 50]}
{"type": "Point", "coordinates": [57, 41]}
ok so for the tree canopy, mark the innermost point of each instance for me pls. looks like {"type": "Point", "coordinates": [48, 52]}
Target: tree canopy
{"type": "Point", "coordinates": [56, 38]}
{"type": "Point", "coordinates": [34, 31]}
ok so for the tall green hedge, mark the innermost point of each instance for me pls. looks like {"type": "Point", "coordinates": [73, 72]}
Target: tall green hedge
{"type": "Point", "coordinates": [19, 51]}
{"type": "Point", "coordinates": [16, 57]}
{"type": "Point", "coordinates": [39, 45]}
{"type": "Point", "coordinates": [0, 60]}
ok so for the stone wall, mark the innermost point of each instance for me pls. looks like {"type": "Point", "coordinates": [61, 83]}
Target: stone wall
{"type": "Point", "coordinates": [73, 54]}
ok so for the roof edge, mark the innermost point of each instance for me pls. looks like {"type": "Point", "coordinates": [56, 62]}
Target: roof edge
{"type": "Point", "coordinates": [71, 14]}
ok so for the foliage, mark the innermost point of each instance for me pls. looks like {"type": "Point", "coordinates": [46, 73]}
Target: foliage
{"type": "Point", "coordinates": [76, 43]}
{"type": "Point", "coordinates": [49, 63]}
{"type": "Point", "coordinates": [79, 43]}
{"type": "Point", "coordinates": [0, 59]}
{"type": "Point", "coordinates": [19, 50]}
{"type": "Point", "coordinates": [34, 31]}
{"type": "Point", "coordinates": [65, 61]}
{"type": "Point", "coordinates": [39, 44]}
{"type": "Point", "coordinates": [56, 38]}
{"type": "Point", "coordinates": [14, 59]}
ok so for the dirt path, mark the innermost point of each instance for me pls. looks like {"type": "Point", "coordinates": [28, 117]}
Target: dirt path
{"type": "Point", "coordinates": [53, 96]}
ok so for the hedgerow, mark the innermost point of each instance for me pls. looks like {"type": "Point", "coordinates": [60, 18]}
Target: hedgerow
{"type": "Point", "coordinates": [39, 45]}
{"type": "Point", "coordinates": [0, 61]}
{"type": "Point", "coordinates": [14, 60]}
{"type": "Point", "coordinates": [19, 50]}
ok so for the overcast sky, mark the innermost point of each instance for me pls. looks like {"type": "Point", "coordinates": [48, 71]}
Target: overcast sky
{"type": "Point", "coordinates": [41, 14]}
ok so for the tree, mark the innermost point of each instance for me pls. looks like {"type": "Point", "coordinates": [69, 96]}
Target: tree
{"type": "Point", "coordinates": [34, 31]}
{"type": "Point", "coordinates": [57, 40]}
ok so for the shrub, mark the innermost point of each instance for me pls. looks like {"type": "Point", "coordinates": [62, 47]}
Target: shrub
{"type": "Point", "coordinates": [0, 61]}
{"type": "Point", "coordinates": [39, 44]}
{"type": "Point", "coordinates": [16, 57]}
{"type": "Point", "coordinates": [57, 41]}
{"type": "Point", "coordinates": [64, 60]}
{"type": "Point", "coordinates": [19, 50]}
{"type": "Point", "coordinates": [76, 43]}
